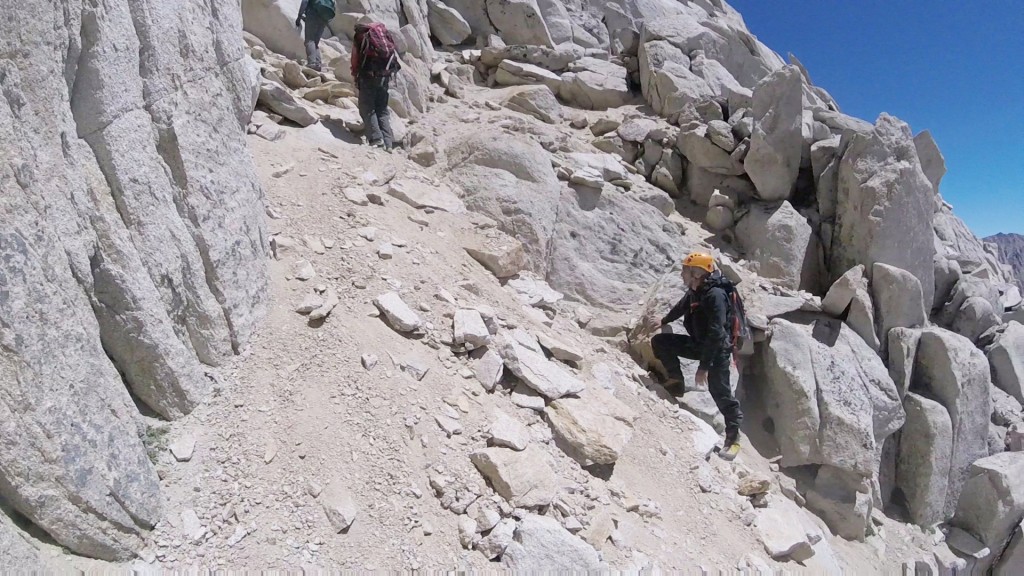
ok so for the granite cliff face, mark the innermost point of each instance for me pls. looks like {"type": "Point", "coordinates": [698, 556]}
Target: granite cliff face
{"type": "Point", "coordinates": [132, 247]}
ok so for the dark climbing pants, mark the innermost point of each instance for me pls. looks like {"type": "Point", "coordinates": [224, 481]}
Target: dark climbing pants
{"type": "Point", "coordinates": [373, 107]}
{"type": "Point", "coordinates": [669, 347]}
{"type": "Point", "coordinates": [314, 31]}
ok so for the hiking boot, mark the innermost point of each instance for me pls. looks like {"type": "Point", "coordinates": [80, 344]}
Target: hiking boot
{"type": "Point", "coordinates": [671, 383]}
{"type": "Point", "coordinates": [729, 451]}
{"type": "Point", "coordinates": [731, 446]}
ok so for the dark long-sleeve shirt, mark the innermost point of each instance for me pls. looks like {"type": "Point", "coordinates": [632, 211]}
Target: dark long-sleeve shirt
{"type": "Point", "coordinates": [705, 314]}
{"type": "Point", "coordinates": [302, 8]}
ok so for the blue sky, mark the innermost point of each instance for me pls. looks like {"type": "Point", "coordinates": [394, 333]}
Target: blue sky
{"type": "Point", "coordinates": [954, 68]}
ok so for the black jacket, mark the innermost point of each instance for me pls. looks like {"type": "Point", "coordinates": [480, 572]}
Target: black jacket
{"type": "Point", "coordinates": [705, 316]}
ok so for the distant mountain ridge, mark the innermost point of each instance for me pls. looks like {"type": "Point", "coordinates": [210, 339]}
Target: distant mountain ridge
{"type": "Point", "coordinates": [1011, 251]}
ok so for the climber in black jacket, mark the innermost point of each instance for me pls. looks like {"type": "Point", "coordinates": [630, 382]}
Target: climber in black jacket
{"type": "Point", "coordinates": [705, 313]}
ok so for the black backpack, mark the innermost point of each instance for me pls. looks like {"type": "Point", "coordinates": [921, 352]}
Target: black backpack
{"type": "Point", "coordinates": [736, 319]}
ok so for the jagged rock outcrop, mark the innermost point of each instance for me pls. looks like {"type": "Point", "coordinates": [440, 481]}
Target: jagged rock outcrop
{"type": "Point", "coordinates": [132, 241]}
{"type": "Point", "coordinates": [1011, 252]}
{"type": "Point", "coordinates": [881, 169]}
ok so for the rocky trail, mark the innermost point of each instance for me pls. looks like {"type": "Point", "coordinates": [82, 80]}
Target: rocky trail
{"type": "Point", "coordinates": [282, 348]}
{"type": "Point", "coordinates": [391, 420]}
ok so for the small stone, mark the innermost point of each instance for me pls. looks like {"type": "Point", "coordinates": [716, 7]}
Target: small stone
{"type": "Point", "coordinates": [415, 368]}
{"type": "Point", "coordinates": [356, 196]}
{"type": "Point", "coordinates": [191, 526]}
{"type": "Point", "coordinates": [303, 270]}
{"type": "Point", "coordinates": [331, 301]}
{"type": "Point", "coordinates": [467, 531]}
{"type": "Point", "coordinates": [398, 313]}
{"type": "Point", "coordinates": [283, 170]}
{"type": "Point", "coordinates": [369, 361]}
{"type": "Point", "coordinates": [309, 303]}
{"type": "Point", "coordinates": [416, 219]}
{"type": "Point", "coordinates": [759, 500]}
{"type": "Point", "coordinates": [270, 452]}
{"type": "Point", "coordinates": [238, 535]}
{"type": "Point", "coordinates": [525, 397]}
{"type": "Point", "coordinates": [339, 505]}
{"type": "Point", "coordinates": [754, 484]}
{"type": "Point", "coordinates": [386, 251]}
{"type": "Point", "coordinates": [427, 528]}
{"type": "Point", "coordinates": [508, 432]}
{"type": "Point", "coordinates": [314, 488]}
{"type": "Point", "coordinates": [368, 233]}
{"type": "Point", "coordinates": [450, 426]}
{"type": "Point", "coordinates": [183, 447]}
{"type": "Point", "coordinates": [314, 244]}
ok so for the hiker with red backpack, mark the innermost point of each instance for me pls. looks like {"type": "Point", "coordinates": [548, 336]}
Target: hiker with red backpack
{"type": "Point", "coordinates": [714, 319]}
{"type": "Point", "coordinates": [317, 14]}
{"type": "Point", "coordinates": [374, 61]}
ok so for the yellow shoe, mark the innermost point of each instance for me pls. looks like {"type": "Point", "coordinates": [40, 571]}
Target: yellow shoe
{"type": "Point", "coordinates": [729, 453]}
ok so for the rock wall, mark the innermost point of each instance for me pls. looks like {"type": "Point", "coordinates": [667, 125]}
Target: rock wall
{"type": "Point", "coordinates": [132, 244]}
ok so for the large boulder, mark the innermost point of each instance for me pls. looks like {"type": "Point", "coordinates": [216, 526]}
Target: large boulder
{"type": "Point", "coordinates": [881, 170]}
{"type": "Point", "coordinates": [150, 260]}
{"type": "Point", "coordinates": [898, 300]}
{"type": "Point", "coordinates": [537, 101]}
{"type": "Point", "coordinates": [720, 38]}
{"type": "Point", "coordinates": [666, 81]}
{"type": "Point", "coordinates": [1006, 357]}
{"type": "Point", "coordinates": [781, 245]}
{"type": "Point", "coordinates": [512, 73]}
{"type": "Point", "coordinates": [446, 24]}
{"type": "Point", "coordinates": [551, 59]}
{"type": "Point", "coordinates": [592, 429]}
{"type": "Point", "coordinates": [557, 19]}
{"type": "Point", "coordinates": [830, 397]}
{"type": "Point", "coordinates": [276, 99]}
{"type": "Point", "coordinates": [510, 180]}
{"type": "Point", "coordinates": [776, 144]}
{"type": "Point", "coordinates": [843, 500]}
{"type": "Point", "coordinates": [1012, 560]}
{"type": "Point", "coordinates": [475, 14]}
{"type": "Point", "coordinates": [519, 22]}
{"type": "Point", "coordinates": [932, 162]}
{"type": "Point", "coordinates": [955, 373]}
{"type": "Point", "coordinates": [957, 242]}
{"type": "Point", "coordinates": [923, 463]}
{"type": "Point", "coordinates": [695, 143]}
{"type": "Point", "coordinates": [596, 89]}
{"type": "Point", "coordinates": [849, 296]}
{"type": "Point", "coordinates": [525, 479]}
{"type": "Point", "coordinates": [991, 504]}
{"type": "Point", "coordinates": [902, 355]}
{"type": "Point", "coordinates": [607, 249]}
{"type": "Point", "coordinates": [541, 544]}
{"type": "Point", "coordinates": [273, 22]}
{"type": "Point", "coordinates": [548, 378]}
{"type": "Point", "coordinates": [721, 81]}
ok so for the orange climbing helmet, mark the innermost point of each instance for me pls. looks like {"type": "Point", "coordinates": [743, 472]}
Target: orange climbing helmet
{"type": "Point", "coordinates": [700, 260]}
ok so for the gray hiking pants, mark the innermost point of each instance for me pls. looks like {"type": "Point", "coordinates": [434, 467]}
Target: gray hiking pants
{"type": "Point", "coordinates": [373, 107]}
{"type": "Point", "coordinates": [314, 31]}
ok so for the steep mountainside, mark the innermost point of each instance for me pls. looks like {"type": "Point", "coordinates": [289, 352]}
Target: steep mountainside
{"type": "Point", "coordinates": [232, 334]}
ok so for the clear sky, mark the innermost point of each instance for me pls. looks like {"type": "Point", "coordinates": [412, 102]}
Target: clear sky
{"type": "Point", "coordinates": [955, 68]}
